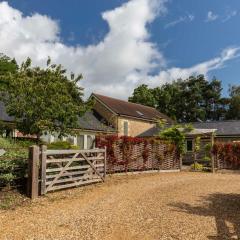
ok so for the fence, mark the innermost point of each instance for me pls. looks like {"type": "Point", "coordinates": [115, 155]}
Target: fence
{"type": "Point", "coordinates": [49, 170]}
{"type": "Point", "coordinates": [226, 155]}
{"type": "Point", "coordinates": [62, 169]}
{"type": "Point", "coordinates": [13, 167]}
{"type": "Point", "coordinates": [135, 154]}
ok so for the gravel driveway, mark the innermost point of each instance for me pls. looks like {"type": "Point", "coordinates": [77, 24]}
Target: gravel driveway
{"type": "Point", "coordinates": [145, 206]}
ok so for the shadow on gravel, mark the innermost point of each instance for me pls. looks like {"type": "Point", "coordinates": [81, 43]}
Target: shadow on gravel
{"type": "Point", "coordinates": [225, 208]}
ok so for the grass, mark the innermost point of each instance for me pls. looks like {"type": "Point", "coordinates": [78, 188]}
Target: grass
{"type": "Point", "coordinates": [9, 200]}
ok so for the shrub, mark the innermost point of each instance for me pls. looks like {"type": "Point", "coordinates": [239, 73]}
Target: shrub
{"type": "Point", "coordinates": [13, 164]}
{"type": "Point", "coordinates": [228, 152]}
{"type": "Point", "coordinates": [61, 145]}
{"type": "Point", "coordinates": [206, 159]}
{"type": "Point", "coordinates": [197, 166]}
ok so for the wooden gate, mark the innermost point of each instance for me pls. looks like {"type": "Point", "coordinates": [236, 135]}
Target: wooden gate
{"type": "Point", "coordinates": [70, 168]}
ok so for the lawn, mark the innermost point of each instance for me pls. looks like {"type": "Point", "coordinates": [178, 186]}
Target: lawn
{"type": "Point", "coordinates": [145, 206]}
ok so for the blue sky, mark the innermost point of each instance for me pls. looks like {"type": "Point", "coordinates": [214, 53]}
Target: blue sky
{"type": "Point", "coordinates": [184, 34]}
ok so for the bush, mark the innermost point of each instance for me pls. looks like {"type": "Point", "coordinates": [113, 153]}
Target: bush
{"type": "Point", "coordinates": [206, 159]}
{"type": "Point", "coordinates": [13, 164]}
{"type": "Point", "coordinates": [61, 145]}
{"type": "Point", "coordinates": [197, 166]}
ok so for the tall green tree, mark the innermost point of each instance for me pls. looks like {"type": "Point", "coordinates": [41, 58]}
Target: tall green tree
{"type": "Point", "coordinates": [43, 99]}
{"type": "Point", "coordinates": [234, 104]}
{"type": "Point", "coordinates": [7, 65]}
{"type": "Point", "coordinates": [189, 100]}
{"type": "Point", "coordinates": [143, 95]}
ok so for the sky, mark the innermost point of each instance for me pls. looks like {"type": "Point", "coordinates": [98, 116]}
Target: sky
{"type": "Point", "coordinates": [118, 44]}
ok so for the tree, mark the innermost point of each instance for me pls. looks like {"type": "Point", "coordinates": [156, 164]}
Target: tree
{"type": "Point", "coordinates": [143, 95]}
{"type": "Point", "coordinates": [234, 105]}
{"type": "Point", "coordinates": [189, 100]}
{"type": "Point", "coordinates": [7, 65]}
{"type": "Point", "coordinates": [43, 99]}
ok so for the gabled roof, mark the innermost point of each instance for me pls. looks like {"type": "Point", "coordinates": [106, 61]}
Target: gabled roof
{"type": "Point", "coordinates": [93, 121]}
{"type": "Point", "coordinates": [124, 108]}
{"type": "Point", "coordinates": [220, 128]}
{"type": "Point", "coordinates": [224, 128]}
{"type": "Point", "coordinates": [89, 121]}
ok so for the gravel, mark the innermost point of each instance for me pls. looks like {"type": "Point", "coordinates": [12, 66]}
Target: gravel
{"type": "Point", "coordinates": [144, 206]}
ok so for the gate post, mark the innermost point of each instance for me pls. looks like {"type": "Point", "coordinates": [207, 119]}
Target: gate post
{"type": "Point", "coordinates": [105, 161]}
{"type": "Point", "coordinates": [43, 170]}
{"type": "Point", "coordinates": [33, 172]}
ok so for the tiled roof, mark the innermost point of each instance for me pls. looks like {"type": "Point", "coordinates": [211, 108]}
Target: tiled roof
{"type": "Point", "coordinates": [89, 121]}
{"type": "Point", "coordinates": [93, 121]}
{"type": "Point", "coordinates": [3, 114]}
{"type": "Point", "coordinates": [125, 108]}
{"type": "Point", "coordinates": [223, 128]}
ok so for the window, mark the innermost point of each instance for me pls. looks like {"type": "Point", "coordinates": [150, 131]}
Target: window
{"type": "Point", "coordinates": [86, 141]}
{"type": "Point", "coordinates": [80, 141]}
{"type": "Point", "coordinates": [189, 145]}
{"type": "Point", "coordinates": [125, 128]}
{"type": "Point", "coordinates": [90, 141]}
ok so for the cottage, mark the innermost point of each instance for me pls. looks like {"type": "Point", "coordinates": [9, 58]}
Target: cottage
{"type": "Point", "coordinates": [90, 124]}
{"type": "Point", "coordinates": [208, 132]}
{"type": "Point", "coordinates": [129, 119]}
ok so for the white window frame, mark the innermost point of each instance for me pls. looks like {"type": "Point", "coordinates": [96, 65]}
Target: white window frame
{"type": "Point", "coordinates": [127, 128]}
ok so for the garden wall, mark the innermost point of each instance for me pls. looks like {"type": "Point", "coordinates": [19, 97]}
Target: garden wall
{"type": "Point", "coordinates": [137, 154]}
{"type": "Point", "coordinates": [226, 155]}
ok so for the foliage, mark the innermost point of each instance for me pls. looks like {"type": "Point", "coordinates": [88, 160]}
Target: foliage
{"type": "Point", "coordinates": [197, 144]}
{"type": "Point", "coordinates": [208, 147]}
{"type": "Point", "coordinates": [13, 164]}
{"type": "Point", "coordinates": [206, 159]}
{"type": "Point", "coordinates": [43, 100]}
{"type": "Point", "coordinates": [228, 153]}
{"type": "Point", "coordinates": [121, 150]}
{"type": "Point", "coordinates": [176, 134]}
{"type": "Point", "coordinates": [12, 199]}
{"type": "Point", "coordinates": [143, 95]}
{"type": "Point", "coordinates": [197, 166]}
{"type": "Point", "coordinates": [61, 145]}
{"type": "Point", "coordinates": [188, 100]}
{"type": "Point", "coordinates": [234, 105]}
{"type": "Point", "coordinates": [7, 65]}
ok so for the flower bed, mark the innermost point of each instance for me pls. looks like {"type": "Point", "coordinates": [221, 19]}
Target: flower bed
{"type": "Point", "coordinates": [138, 154]}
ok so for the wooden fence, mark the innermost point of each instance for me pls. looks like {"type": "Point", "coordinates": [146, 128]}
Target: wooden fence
{"type": "Point", "coordinates": [129, 154]}
{"type": "Point", "coordinates": [62, 169]}
{"type": "Point", "coordinates": [226, 155]}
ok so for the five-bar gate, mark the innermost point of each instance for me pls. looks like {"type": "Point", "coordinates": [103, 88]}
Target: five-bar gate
{"type": "Point", "coordinates": [60, 169]}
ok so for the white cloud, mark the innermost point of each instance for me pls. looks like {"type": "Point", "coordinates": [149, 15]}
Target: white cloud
{"type": "Point", "coordinates": [201, 68]}
{"type": "Point", "coordinates": [229, 15]}
{"type": "Point", "coordinates": [124, 59]}
{"type": "Point", "coordinates": [188, 18]}
{"type": "Point", "coordinates": [211, 17]}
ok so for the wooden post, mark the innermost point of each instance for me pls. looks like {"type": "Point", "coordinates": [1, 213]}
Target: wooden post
{"type": "Point", "coordinates": [212, 155]}
{"type": "Point", "coordinates": [105, 161]}
{"type": "Point", "coordinates": [194, 154]}
{"type": "Point", "coordinates": [180, 161]}
{"type": "Point", "coordinates": [43, 159]}
{"type": "Point", "coordinates": [33, 172]}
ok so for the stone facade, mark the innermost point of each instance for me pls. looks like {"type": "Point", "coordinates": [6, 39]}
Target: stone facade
{"type": "Point", "coordinates": [135, 126]}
